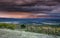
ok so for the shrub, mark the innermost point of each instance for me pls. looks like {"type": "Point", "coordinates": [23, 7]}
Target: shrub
{"type": "Point", "coordinates": [23, 26]}
{"type": "Point", "coordinates": [8, 26]}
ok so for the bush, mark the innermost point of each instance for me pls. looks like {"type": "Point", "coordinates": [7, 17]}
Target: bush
{"type": "Point", "coordinates": [23, 26]}
{"type": "Point", "coordinates": [8, 26]}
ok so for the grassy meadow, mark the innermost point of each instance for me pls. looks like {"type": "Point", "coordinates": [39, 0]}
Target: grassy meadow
{"type": "Point", "coordinates": [43, 28]}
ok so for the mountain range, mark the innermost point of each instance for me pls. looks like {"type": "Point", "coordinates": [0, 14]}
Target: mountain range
{"type": "Point", "coordinates": [29, 20]}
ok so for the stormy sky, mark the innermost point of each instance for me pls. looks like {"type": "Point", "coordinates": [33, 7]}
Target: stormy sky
{"type": "Point", "coordinates": [29, 9]}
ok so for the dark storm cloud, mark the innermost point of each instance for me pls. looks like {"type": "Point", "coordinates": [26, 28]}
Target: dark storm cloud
{"type": "Point", "coordinates": [18, 2]}
{"type": "Point", "coordinates": [12, 5]}
{"type": "Point", "coordinates": [33, 9]}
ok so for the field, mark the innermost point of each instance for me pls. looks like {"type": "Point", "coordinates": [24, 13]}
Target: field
{"type": "Point", "coordinates": [44, 28]}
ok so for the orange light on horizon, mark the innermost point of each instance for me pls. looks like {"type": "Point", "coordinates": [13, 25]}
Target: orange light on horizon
{"type": "Point", "coordinates": [22, 15]}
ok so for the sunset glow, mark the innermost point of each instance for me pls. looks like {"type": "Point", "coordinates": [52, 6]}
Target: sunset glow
{"type": "Point", "coordinates": [21, 15]}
